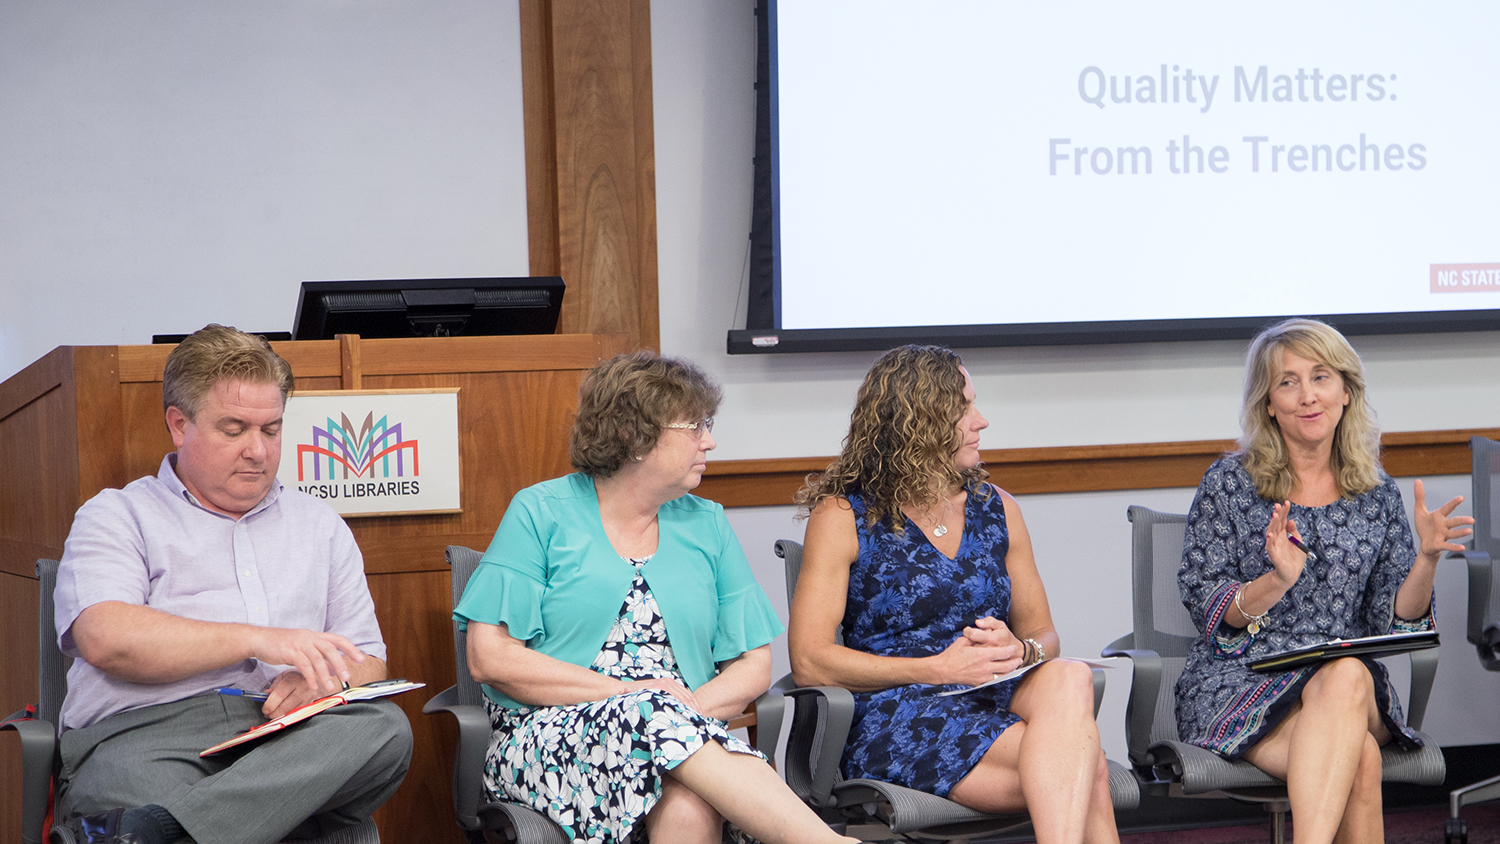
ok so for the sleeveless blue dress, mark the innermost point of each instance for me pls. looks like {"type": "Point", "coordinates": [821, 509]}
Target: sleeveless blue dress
{"type": "Point", "coordinates": [906, 599]}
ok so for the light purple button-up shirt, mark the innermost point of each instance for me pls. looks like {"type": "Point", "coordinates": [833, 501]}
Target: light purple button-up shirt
{"type": "Point", "coordinates": [289, 562]}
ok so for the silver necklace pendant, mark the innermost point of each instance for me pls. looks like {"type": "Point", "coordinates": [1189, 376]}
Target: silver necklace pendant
{"type": "Point", "coordinates": [940, 530]}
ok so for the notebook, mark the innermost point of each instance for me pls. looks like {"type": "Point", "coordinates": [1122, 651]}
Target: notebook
{"type": "Point", "coordinates": [1372, 646]}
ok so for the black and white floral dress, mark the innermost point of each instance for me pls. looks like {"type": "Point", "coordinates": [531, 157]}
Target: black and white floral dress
{"type": "Point", "coordinates": [596, 768]}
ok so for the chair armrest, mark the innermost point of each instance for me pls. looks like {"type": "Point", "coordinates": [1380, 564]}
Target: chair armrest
{"type": "Point", "coordinates": [770, 708]}
{"type": "Point", "coordinates": [1140, 709]}
{"type": "Point", "coordinates": [813, 755]}
{"type": "Point", "coordinates": [38, 750]}
{"type": "Point", "coordinates": [1424, 665]}
{"type": "Point", "coordinates": [468, 760]}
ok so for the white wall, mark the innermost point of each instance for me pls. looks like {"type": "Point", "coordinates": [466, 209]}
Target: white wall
{"type": "Point", "coordinates": [167, 163]}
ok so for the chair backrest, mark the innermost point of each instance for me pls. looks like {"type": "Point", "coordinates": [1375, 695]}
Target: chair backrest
{"type": "Point", "coordinates": [52, 665]}
{"type": "Point", "coordinates": [463, 561]}
{"type": "Point", "coordinates": [1161, 622]}
{"type": "Point", "coordinates": [1486, 499]}
{"type": "Point", "coordinates": [805, 732]}
{"type": "Point", "coordinates": [790, 552]}
{"type": "Point", "coordinates": [1484, 603]}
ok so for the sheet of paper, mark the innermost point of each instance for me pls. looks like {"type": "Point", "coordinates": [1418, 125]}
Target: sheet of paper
{"type": "Point", "coordinates": [1019, 671]}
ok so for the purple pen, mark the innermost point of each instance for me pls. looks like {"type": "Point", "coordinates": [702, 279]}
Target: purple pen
{"type": "Point", "coordinates": [1295, 541]}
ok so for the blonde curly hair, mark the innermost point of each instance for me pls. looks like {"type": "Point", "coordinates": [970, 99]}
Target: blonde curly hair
{"type": "Point", "coordinates": [1356, 440]}
{"type": "Point", "coordinates": [902, 438]}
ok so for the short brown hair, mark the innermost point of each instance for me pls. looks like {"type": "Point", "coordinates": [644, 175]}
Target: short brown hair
{"type": "Point", "coordinates": [624, 402]}
{"type": "Point", "coordinates": [215, 353]}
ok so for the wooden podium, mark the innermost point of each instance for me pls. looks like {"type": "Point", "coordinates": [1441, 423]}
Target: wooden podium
{"type": "Point", "coordinates": [83, 418]}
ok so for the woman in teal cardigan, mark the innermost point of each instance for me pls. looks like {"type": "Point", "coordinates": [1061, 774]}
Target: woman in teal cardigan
{"type": "Point", "coordinates": [615, 625]}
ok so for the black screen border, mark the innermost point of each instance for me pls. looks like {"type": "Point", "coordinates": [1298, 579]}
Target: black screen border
{"type": "Point", "coordinates": [763, 333]}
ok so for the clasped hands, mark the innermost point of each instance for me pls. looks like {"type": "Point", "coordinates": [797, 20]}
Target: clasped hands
{"type": "Point", "coordinates": [984, 651]}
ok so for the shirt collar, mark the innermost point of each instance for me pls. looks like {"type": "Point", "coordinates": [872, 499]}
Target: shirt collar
{"type": "Point", "coordinates": [167, 474]}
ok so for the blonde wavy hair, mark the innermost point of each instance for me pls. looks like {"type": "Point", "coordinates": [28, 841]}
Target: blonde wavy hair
{"type": "Point", "coordinates": [1356, 440]}
{"type": "Point", "coordinates": [902, 438]}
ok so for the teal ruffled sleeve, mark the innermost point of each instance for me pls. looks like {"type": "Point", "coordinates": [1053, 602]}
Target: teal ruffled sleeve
{"type": "Point", "coordinates": [499, 595]}
{"type": "Point", "coordinates": [507, 586]}
{"type": "Point", "coordinates": [746, 620]}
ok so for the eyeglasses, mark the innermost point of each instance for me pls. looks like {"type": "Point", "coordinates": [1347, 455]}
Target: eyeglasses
{"type": "Point", "coordinates": [696, 429]}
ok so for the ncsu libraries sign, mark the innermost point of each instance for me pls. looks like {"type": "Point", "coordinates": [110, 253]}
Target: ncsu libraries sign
{"type": "Point", "coordinates": [374, 452]}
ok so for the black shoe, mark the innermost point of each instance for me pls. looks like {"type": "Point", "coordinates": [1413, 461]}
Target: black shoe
{"type": "Point", "coordinates": [97, 828]}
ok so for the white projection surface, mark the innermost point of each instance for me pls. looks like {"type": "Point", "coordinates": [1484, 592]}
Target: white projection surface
{"type": "Point", "coordinates": [965, 162]}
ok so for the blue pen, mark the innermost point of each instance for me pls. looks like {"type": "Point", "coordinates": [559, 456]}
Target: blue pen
{"type": "Point", "coordinates": [241, 693]}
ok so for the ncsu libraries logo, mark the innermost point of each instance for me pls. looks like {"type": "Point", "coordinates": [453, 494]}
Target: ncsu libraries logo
{"type": "Point", "coordinates": [370, 452]}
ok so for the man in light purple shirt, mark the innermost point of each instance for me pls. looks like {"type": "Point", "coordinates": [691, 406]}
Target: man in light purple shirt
{"type": "Point", "coordinates": [211, 575]}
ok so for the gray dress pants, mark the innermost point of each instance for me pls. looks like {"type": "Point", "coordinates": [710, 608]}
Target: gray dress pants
{"type": "Point", "coordinates": [328, 772]}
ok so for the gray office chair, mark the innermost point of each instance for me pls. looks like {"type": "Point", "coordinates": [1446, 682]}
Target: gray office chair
{"type": "Point", "coordinates": [821, 718]}
{"type": "Point", "coordinates": [37, 727]}
{"type": "Point", "coordinates": [1158, 649]}
{"type": "Point", "coordinates": [511, 822]}
{"type": "Point", "coordinates": [1484, 605]}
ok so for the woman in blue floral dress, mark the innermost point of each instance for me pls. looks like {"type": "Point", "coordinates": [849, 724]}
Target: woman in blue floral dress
{"type": "Point", "coordinates": [1298, 538]}
{"type": "Point", "coordinates": [927, 570]}
{"type": "Point", "coordinates": [615, 626]}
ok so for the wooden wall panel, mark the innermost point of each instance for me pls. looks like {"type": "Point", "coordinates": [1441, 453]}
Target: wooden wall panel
{"type": "Point", "coordinates": [18, 687]}
{"type": "Point", "coordinates": [413, 609]}
{"type": "Point", "coordinates": [35, 442]}
{"type": "Point", "coordinates": [590, 161]}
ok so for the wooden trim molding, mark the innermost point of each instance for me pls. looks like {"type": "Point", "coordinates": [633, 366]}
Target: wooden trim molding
{"type": "Point", "coordinates": [1089, 468]}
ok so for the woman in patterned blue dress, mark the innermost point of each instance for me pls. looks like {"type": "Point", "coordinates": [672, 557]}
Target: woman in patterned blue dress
{"type": "Point", "coordinates": [928, 570]}
{"type": "Point", "coordinates": [1297, 538]}
{"type": "Point", "coordinates": [615, 626]}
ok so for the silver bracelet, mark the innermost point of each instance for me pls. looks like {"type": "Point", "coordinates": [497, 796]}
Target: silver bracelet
{"type": "Point", "coordinates": [1253, 622]}
{"type": "Point", "coordinates": [1036, 654]}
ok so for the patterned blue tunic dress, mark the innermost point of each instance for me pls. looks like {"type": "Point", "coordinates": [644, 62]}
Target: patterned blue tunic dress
{"type": "Point", "coordinates": [906, 599]}
{"type": "Point", "coordinates": [1360, 551]}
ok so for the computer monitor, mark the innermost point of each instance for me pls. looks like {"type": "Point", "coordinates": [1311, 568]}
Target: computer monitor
{"type": "Point", "coordinates": [428, 307]}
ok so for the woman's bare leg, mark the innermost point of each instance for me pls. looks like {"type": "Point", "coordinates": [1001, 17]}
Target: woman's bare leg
{"type": "Point", "coordinates": [1363, 818]}
{"type": "Point", "coordinates": [1323, 750]}
{"type": "Point", "coordinates": [1050, 764]}
{"type": "Point", "coordinates": [682, 817]}
{"type": "Point", "coordinates": [748, 792]}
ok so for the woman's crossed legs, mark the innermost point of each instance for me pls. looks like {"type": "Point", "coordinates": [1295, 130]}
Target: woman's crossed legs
{"type": "Point", "coordinates": [1050, 764]}
{"type": "Point", "coordinates": [1328, 751]}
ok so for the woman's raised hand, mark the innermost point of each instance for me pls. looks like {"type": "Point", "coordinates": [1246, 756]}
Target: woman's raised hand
{"type": "Point", "coordinates": [1436, 529]}
{"type": "Point", "coordinates": [1287, 557]}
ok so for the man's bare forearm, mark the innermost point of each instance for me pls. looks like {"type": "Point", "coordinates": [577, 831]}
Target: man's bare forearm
{"type": "Point", "coordinates": [144, 645]}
